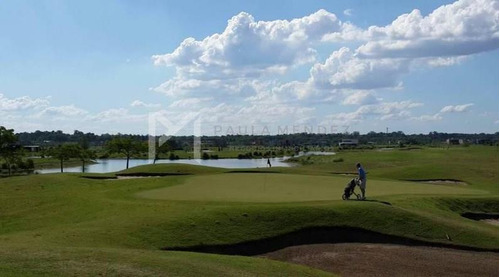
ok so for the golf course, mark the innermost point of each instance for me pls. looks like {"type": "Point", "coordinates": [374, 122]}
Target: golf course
{"type": "Point", "coordinates": [189, 220]}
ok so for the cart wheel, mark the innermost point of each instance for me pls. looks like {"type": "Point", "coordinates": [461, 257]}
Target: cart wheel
{"type": "Point", "coordinates": [343, 196]}
{"type": "Point", "coordinates": [358, 196]}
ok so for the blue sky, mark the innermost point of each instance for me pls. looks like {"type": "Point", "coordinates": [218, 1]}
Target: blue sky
{"type": "Point", "coordinates": [104, 66]}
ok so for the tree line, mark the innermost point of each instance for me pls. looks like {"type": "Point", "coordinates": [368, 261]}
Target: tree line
{"type": "Point", "coordinates": [13, 154]}
{"type": "Point", "coordinates": [54, 138]}
{"type": "Point", "coordinates": [82, 146]}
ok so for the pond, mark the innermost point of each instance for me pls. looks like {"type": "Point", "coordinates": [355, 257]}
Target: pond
{"type": "Point", "coordinates": [113, 165]}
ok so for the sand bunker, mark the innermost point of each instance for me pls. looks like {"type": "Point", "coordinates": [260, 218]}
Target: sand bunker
{"type": "Point", "coordinates": [490, 218]}
{"type": "Point", "coordinates": [367, 259]}
{"type": "Point", "coordinates": [345, 173]}
{"type": "Point", "coordinates": [490, 221]}
{"type": "Point", "coordinates": [118, 177]}
{"type": "Point", "coordinates": [441, 182]}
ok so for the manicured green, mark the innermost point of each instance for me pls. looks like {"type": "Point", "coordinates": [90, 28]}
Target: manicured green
{"type": "Point", "coordinates": [269, 187]}
{"type": "Point", "coordinates": [63, 224]}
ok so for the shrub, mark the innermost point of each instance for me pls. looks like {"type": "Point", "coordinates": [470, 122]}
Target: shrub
{"type": "Point", "coordinates": [21, 165]}
{"type": "Point", "coordinates": [205, 156]}
{"type": "Point", "coordinates": [245, 156]}
{"type": "Point", "coordinates": [172, 156]}
{"type": "Point", "coordinates": [30, 164]}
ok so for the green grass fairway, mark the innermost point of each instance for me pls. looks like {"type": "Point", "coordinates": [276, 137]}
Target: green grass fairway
{"type": "Point", "coordinates": [63, 224]}
{"type": "Point", "coordinates": [267, 187]}
{"type": "Point", "coordinates": [476, 165]}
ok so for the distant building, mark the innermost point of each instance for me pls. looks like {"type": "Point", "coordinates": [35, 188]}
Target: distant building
{"type": "Point", "coordinates": [453, 141]}
{"type": "Point", "coordinates": [345, 143]}
{"type": "Point", "coordinates": [484, 141]}
{"type": "Point", "coordinates": [31, 148]}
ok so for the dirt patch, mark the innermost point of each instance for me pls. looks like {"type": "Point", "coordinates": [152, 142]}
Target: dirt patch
{"type": "Point", "coordinates": [345, 173]}
{"type": "Point", "coordinates": [441, 182]}
{"type": "Point", "coordinates": [361, 259]}
{"type": "Point", "coordinates": [99, 177]}
{"type": "Point", "coordinates": [134, 177]}
{"type": "Point", "coordinates": [144, 174]}
{"type": "Point", "coordinates": [490, 221]}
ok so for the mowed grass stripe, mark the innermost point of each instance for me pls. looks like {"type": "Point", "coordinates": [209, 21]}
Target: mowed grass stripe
{"type": "Point", "coordinates": [263, 187]}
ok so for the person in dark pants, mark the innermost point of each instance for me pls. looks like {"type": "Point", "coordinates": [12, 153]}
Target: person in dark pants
{"type": "Point", "coordinates": [362, 180]}
{"type": "Point", "coordinates": [268, 162]}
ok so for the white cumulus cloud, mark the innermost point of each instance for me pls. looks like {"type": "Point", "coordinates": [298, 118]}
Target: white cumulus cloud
{"type": "Point", "coordinates": [62, 111]}
{"type": "Point", "coordinates": [381, 111]}
{"type": "Point", "coordinates": [360, 98]}
{"type": "Point", "coordinates": [348, 12]}
{"type": "Point", "coordinates": [446, 109]}
{"type": "Point", "coordinates": [247, 47]}
{"type": "Point", "coordinates": [462, 28]}
{"type": "Point", "coordinates": [139, 103]}
{"type": "Point", "coordinates": [456, 108]}
{"type": "Point", "coordinates": [21, 103]}
{"type": "Point", "coordinates": [343, 69]}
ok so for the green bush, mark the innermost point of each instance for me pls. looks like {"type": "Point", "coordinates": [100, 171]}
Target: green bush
{"type": "Point", "coordinates": [30, 164]}
{"type": "Point", "coordinates": [172, 156]}
{"type": "Point", "coordinates": [21, 165]}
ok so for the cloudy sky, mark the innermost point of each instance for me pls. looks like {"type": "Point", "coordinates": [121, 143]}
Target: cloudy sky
{"type": "Point", "coordinates": [250, 66]}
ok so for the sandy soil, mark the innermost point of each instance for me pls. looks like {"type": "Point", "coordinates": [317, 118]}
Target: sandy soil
{"type": "Point", "coordinates": [443, 182]}
{"type": "Point", "coordinates": [490, 221]}
{"type": "Point", "coordinates": [361, 259]}
{"type": "Point", "coordinates": [132, 177]}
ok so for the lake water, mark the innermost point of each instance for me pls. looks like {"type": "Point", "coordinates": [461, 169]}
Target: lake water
{"type": "Point", "coordinates": [113, 165]}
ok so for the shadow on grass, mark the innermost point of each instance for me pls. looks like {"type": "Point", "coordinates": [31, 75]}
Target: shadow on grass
{"type": "Point", "coordinates": [315, 235]}
{"type": "Point", "coordinates": [377, 201]}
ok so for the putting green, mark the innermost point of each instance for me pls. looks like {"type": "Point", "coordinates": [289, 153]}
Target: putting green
{"type": "Point", "coordinates": [265, 187]}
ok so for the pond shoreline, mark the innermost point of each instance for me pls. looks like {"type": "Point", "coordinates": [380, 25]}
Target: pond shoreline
{"type": "Point", "coordinates": [118, 164]}
{"type": "Point", "coordinates": [115, 165]}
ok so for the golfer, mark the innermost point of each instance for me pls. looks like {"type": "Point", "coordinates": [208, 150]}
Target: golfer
{"type": "Point", "coordinates": [268, 162]}
{"type": "Point", "coordinates": [362, 180]}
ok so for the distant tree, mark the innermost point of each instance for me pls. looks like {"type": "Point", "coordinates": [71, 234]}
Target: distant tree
{"type": "Point", "coordinates": [64, 152]}
{"type": "Point", "coordinates": [165, 147]}
{"type": "Point", "coordinates": [205, 156]}
{"type": "Point", "coordinates": [85, 155]}
{"type": "Point", "coordinates": [126, 146]}
{"type": "Point", "coordinates": [83, 142]}
{"type": "Point", "coordinates": [8, 149]}
{"type": "Point", "coordinates": [83, 152]}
